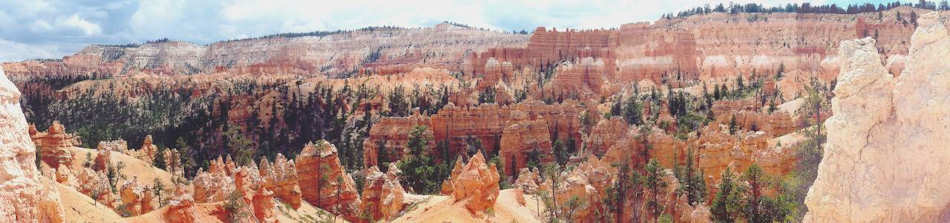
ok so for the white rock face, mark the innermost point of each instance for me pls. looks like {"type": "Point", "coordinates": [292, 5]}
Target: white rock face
{"type": "Point", "coordinates": [24, 194]}
{"type": "Point", "coordinates": [886, 159]}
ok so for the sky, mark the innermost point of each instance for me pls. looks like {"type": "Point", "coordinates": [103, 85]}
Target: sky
{"type": "Point", "coordinates": [32, 29]}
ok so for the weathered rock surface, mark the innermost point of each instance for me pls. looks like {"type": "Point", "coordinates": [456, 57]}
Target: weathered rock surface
{"type": "Point", "coordinates": [132, 195]}
{"type": "Point", "coordinates": [26, 195]}
{"type": "Point", "coordinates": [148, 151]}
{"type": "Point", "coordinates": [528, 180]}
{"type": "Point", "coordinates": [181, 209]}
{"type": "Point", "coordinates": [522, 140]}
{"type": "Point", "coordinates": [214, 185]}
{"type": "Point", "coordinates": [458, 125]}
{"type": "Point", "coordinates": [281, 179]}
{"type": "Point", "coordinates": [885, 158]}
{"type": "Point", "coordinates": [263, 203]}
{"type": "Point", "coordinates": [324, 183]}
{"type": "Point", "coordinates": [388, 138]}
{"type": "Point", "coordinates": [382, 196]}
{"type": "Point", "coordinates": [604, 135]}
{"type": "Point", "coordinates": [474, 182]}
{"type": "Point", "coordinates": [53, 146]}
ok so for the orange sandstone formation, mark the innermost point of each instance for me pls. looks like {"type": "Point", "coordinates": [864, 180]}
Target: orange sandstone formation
{"type": "Point", "coordinates": [281, 179]}
{"type": "Point", "coordinates": [382, 196]}
{"type": "Point", "coordinates": [475, 183]}
{"type": "Point", "coordinates": [486, 123]}
{"type": "Point", "coordinates": [524, 139]}
{"type": "Point", "coordinates": [323, 181]}
{"type": "Point", "coordinates": [53, 146]}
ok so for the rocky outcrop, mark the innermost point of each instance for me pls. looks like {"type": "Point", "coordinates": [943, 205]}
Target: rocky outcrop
{"type": "Point", "coordinates": [64, 176]}
{"type": "Point", "coordinates": [324, 183]}
{"type": "Point", "coordinates": [458, 126]}
{"type": "Point", "coordinates": [263, 203]}
{"type": "Point", "coordinates": [523, 140]}
{"type": "Point", "coordinates": [712, 46]}
{"type": "Point", "coordinates": [26, 195]}
{"type": "Point", "coordinates": [885, 158]}
{"type": "Point", "coordinates": [103, 156]}
{"type": "Point", "coordinates": [214, 185]}
{"type": "Point", "coordinates": [181, 209]}
{"type": "Point", "coordinates": [587, 182]}
{"type": "Point", "coordinates": [53, 146]}
{"type": "Point", "coordinates": [388, 139]}
{"type": "Point", "coordinates": [382, 197]}
{"type": "Point", "coordinates": [604, 135]}
{"type": "Point", "coordinates": [95, 184]}
{"type": "Point", "coordinates": [132, 195]}
{"type": "Point", "coordinates": [528, 180]}
{"type": "Point", "coordinates": [148, 151]}
{"type": "Point", "coordinates": [281, 179]}
{"type": "Point", "coordinates": [474, 183]}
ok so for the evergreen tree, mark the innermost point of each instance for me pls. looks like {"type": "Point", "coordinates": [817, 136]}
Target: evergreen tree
{"type": "Point", "coordinates": [157, 190]}
{"type": "Point", "coordinates": [159, 160]}
{"type": "Point", "coordinates": [733, 126]}
{"type": "Point", "coordinates": [727, 205]}
{"type": "Point", "coordinates": [633, 111]}
{"type": "Point", "coordinates": [420, 173]}
{"type": "Point", "coordinates": [692, 180]}
{"type": "Point", "coordinates": [653, 180]}
{"type": "Point", "coordinates": [753, 210]}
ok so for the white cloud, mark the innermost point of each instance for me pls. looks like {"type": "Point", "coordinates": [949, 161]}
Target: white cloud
{"type": "Point", "coordinates": [40, 26]}
{"type": "Point", "coordinates": [14, 51]}
{"type": "Point", "coordinates": [83, 25]}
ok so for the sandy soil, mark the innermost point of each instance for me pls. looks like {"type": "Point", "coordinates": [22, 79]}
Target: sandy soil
{"type": "Point", "coordinates": [81, 208]}
{"type": "Point", "coordinates": [444, 209]}
{"type": "Point", "coordinates": [137, 168]}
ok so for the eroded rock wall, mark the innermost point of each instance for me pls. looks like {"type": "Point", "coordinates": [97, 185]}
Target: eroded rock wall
{"type": "Point", "coordinates": [26, 195]}
{"type": "Point", "coordinates": [885, 158]}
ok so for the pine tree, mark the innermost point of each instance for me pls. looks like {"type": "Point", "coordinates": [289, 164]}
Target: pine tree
{"type": "Point", "coordinates": [157, 190]}
{"type": "Point", "coordinates": [727, 205]}
{"type": "Point", "coordinates": [753, 210]}
{"type": "Point", "coordinates": [159, 160]}
{"type": "Point", "coordinates": [733, 126]}
{"type": "Point", "coordinates": [654, 182]}
{"type": "Point", "coordinates": [633, 111]}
